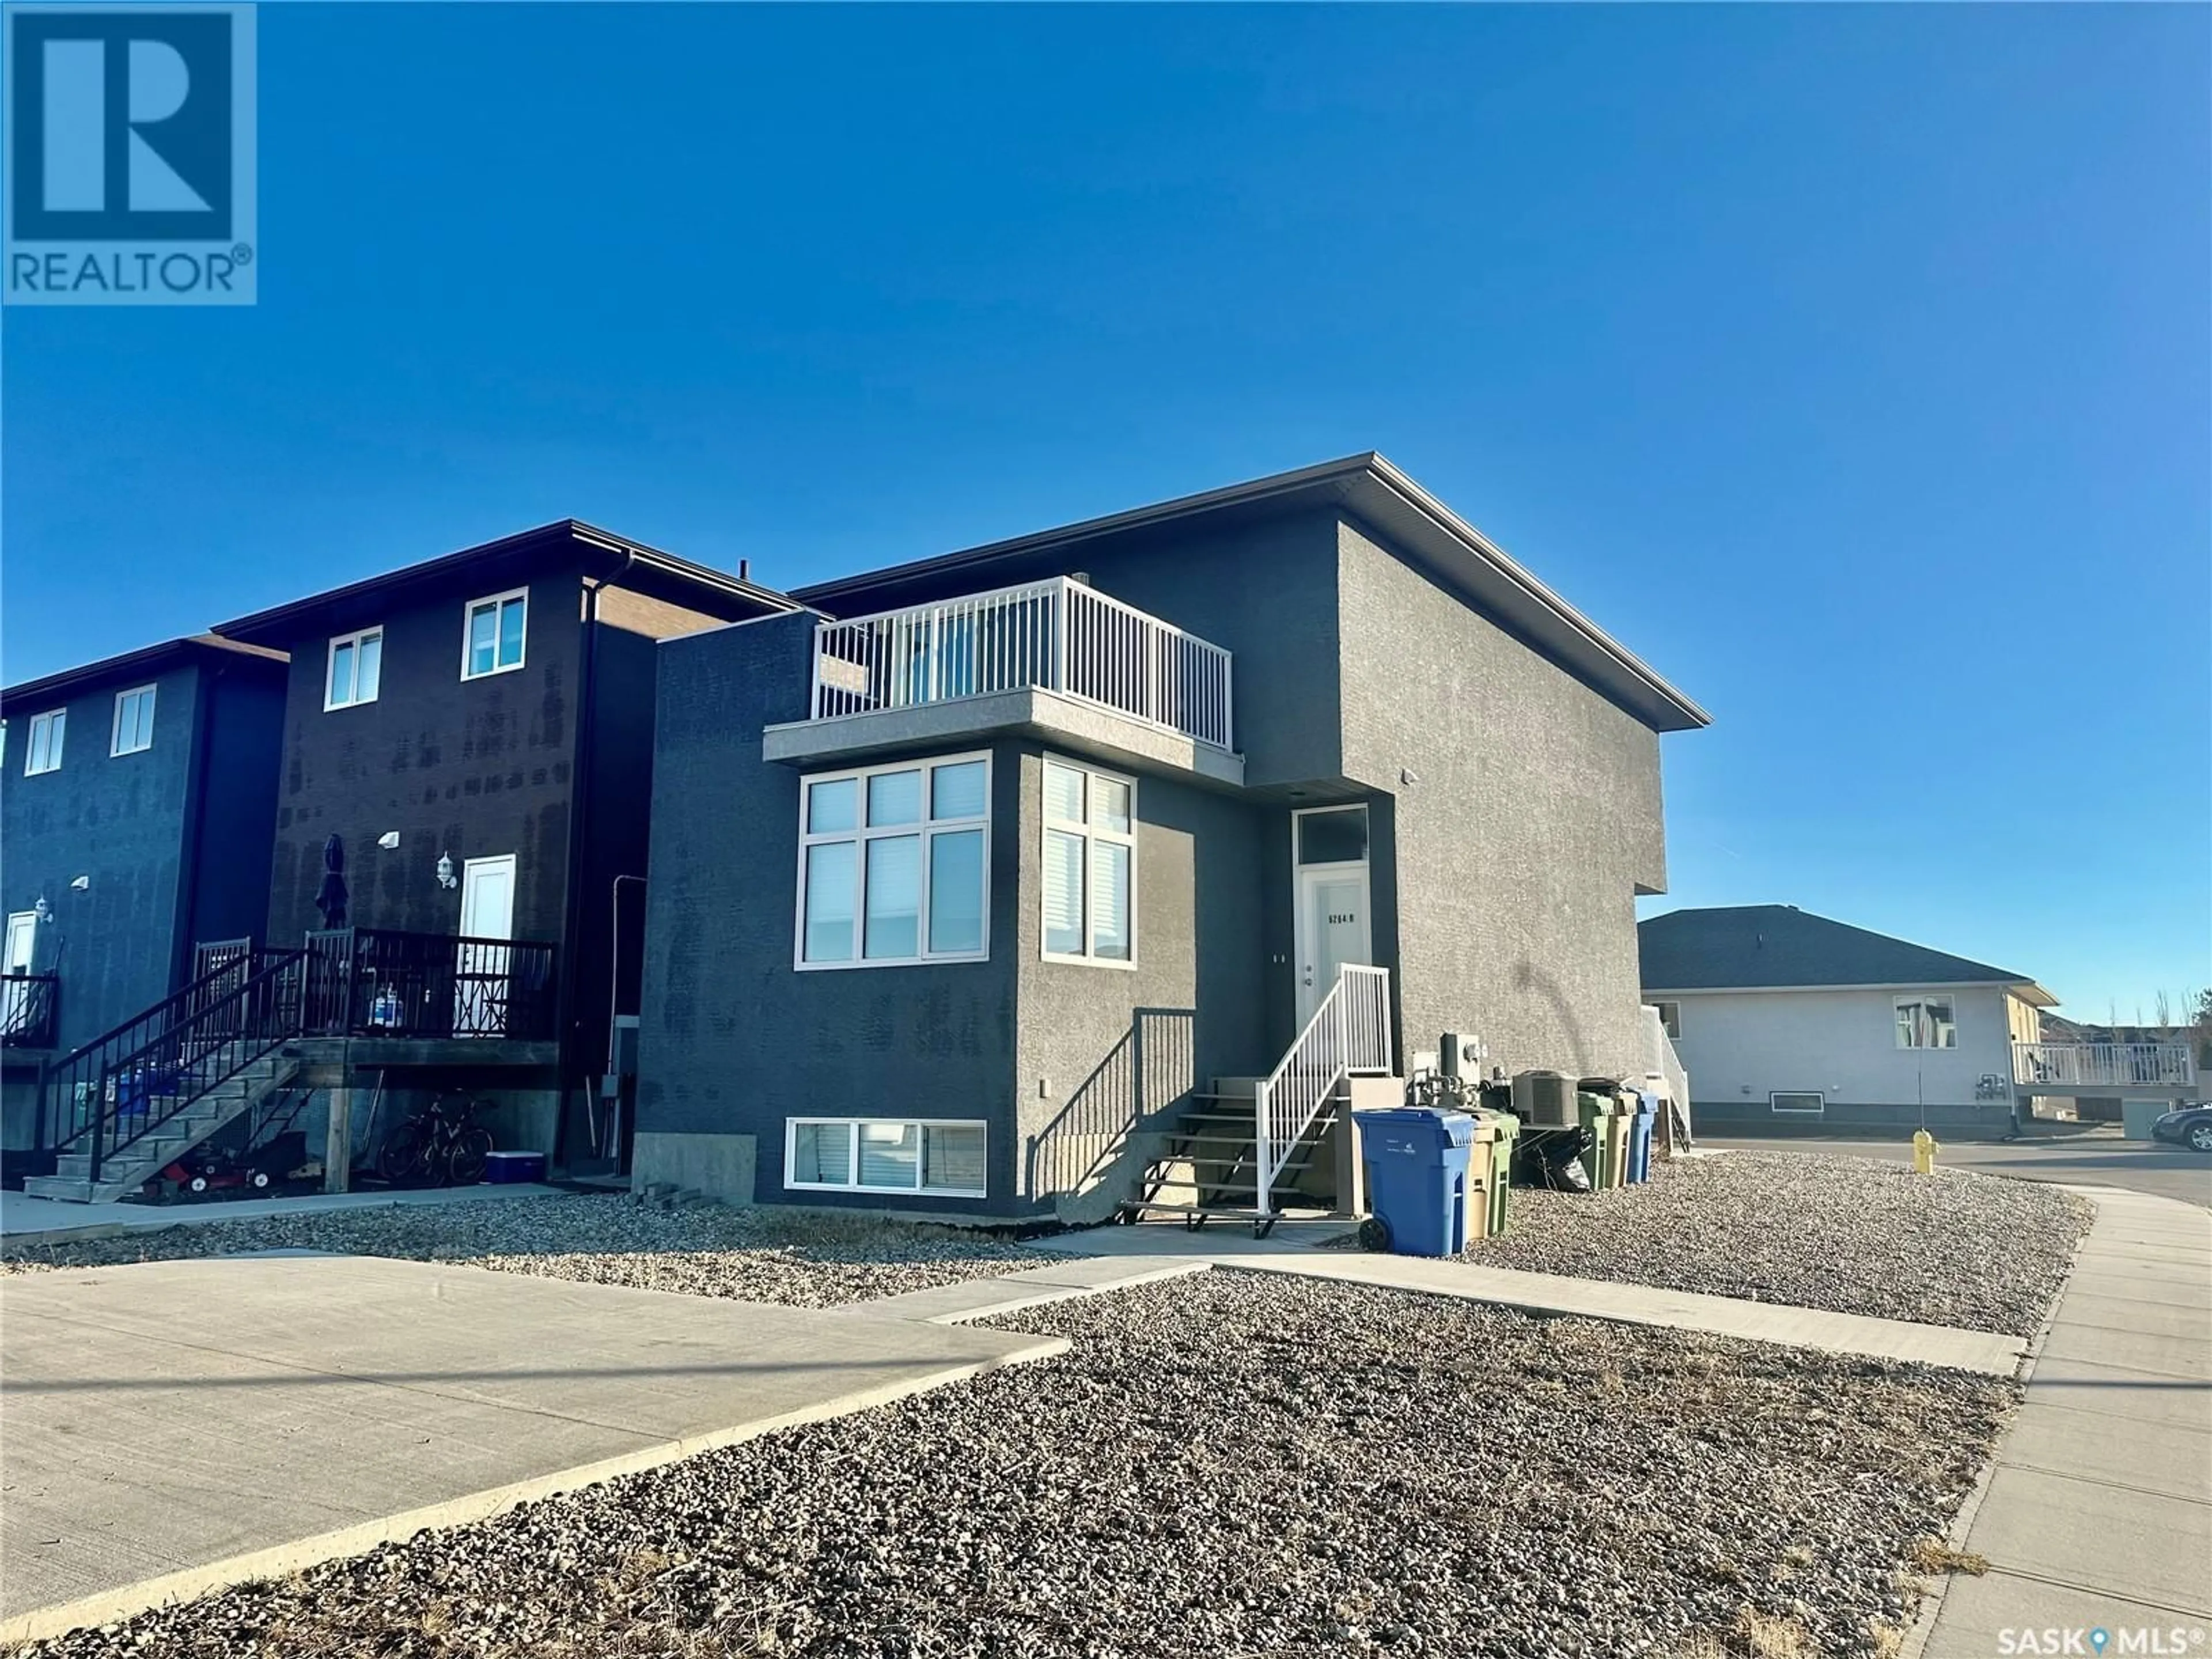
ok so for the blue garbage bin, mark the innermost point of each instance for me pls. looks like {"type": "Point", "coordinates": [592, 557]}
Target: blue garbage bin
{"type": "Point", "coordinates": [1417, 1168]}
{"type": "Point", "coordinates": [1639, 1137]}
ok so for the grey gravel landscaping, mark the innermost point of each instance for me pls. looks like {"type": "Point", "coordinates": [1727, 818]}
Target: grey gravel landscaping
{"type": "Point", "coordinates": [1851, 1234]}
{"type": "Point", "coordinates": [1230, 1465]}
{"type": "Point", "coordinates": [807, 1260]}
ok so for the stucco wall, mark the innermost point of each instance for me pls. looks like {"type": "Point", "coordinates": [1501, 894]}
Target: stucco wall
{"type": "Point", "coordinates": [733, 1039]}
{"type": "Point", "coordinates": [1515, 854]}
{"type": "Point", "coordinates": [1739, 1046]}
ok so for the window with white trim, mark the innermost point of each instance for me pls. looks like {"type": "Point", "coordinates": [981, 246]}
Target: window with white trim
{"type": "Point", "coordinates": [1926, 1023]}
{"type": "Point", "coordinates": [43, 753]}
{"type": "Point", "coordinates": [134, 721]}
{"type": "Point", "coordinates": [354, 669]}
{"type": "Point", "coordinates": [919, 1157]}
{"type": "Point", "coordinates": [492, 634]}
{"type": "Point", "coordinates": [1670, 1019]}
{"type": "Point", "coordinates": [1806, 1100]}
{"type": "Point", "coordinates": [1089, 884]}
{"type": "Point", "coordinates": [895, 864]}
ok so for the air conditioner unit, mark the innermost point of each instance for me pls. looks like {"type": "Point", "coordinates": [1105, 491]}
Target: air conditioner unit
{"type": "Point", "coordinates": [1545, 1099]}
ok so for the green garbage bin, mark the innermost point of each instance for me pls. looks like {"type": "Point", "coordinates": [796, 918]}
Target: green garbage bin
{"type": "Point", "coordinates": [1608, 1128]}
{"type": "Point", "coordinates": [1503, 1130]}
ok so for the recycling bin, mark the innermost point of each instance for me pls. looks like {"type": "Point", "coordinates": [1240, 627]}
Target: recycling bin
{"type": "Point", "coordinates": [1639, 1137]}
{"type": "Point", "coordinates": [1417, 1164]}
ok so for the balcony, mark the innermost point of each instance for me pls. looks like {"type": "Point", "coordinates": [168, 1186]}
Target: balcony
{"type": "Point", "coordinates": [26, 1010]}
{"type": "Point", "coordinates": [1055, 657]}
{"type": "Point", "coordinates": [2101, 1067]}
{"type": "Point", "coordinates": [379, 983]}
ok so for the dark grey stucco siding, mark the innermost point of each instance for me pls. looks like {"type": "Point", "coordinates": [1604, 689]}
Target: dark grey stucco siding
{"type": "Point", "coordinates": [244, 723]}
{"type": "Point", "coordinates": [1516, 857]}
{"type": "Point", "coordinates": [733, 1039]}
{"type": "Point", "coordinates": [1201, 961]}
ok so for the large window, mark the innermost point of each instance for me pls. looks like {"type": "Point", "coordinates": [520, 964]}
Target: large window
{"type": "Point", "coordinates": [43, 753]}
{"type": "Point", "coordinates": [894, 865]}
{"type": "Point", "coordinates": [1090, 866]}
{"type": "Point", "coordinates": [1926, 1023]}
{"type": "Point", "coordinates": [134, 721]}
{"type": "Point", "coordinates": [492, 643]}
{"type": "Point", "coordinates": [357, 667]}
{"type": "Point", "coordinates": [880, 1154]}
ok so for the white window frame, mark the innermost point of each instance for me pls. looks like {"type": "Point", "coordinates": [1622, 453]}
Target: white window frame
{"type": "Point", "coordinates": [1898, 1005]}
{"type": "Point", "coordinates": [1819, 1103]}
{"type": "Point", "coordinates": [924, 1125]}
{"type": "Point", "coordinates": [860, 835]}
{"type": "Point", "coordinates": [1670, 1019]}
{"type": "Point", "coordinates": [115, 749]}
{"type": "Point", "coordinates": [498, 602]}
{"type": "Point", "coordinates": [1047, 825]}
{"type": "Point", "coordinates": [361, 636]}
{"type": "Point", "coordinates": [51, 727]}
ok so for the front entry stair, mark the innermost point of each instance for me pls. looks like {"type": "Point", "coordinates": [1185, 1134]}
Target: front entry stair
{"type": "Point", "coordinates": [1207, 1163]}
{"type": "Point", "coordinates": [125, 1169]}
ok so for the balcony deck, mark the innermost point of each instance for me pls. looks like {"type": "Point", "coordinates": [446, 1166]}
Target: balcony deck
{"type": "Point", "coordinates": [1056, 658]}
{"type": "Point", "coordinates": [2154, 1068]}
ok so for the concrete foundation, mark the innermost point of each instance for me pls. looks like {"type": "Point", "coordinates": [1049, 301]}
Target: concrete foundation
{"type": "Point", "coordinates": [720, 1166]}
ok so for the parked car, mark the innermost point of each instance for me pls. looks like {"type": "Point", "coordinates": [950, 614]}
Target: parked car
{"type": "Point", "coordinates": [2189, 1126]}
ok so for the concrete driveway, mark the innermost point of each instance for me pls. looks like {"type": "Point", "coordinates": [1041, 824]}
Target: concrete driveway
{"type": "Point", "coordinates": [170, 1426]}
{"type": "Point", "coordinates": [2097, 1159]}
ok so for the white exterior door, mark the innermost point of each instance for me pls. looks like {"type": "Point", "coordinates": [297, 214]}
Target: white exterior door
{"type": "Point", "coordinates": [1329, 856]}
{"type": "Point", "coordinates": [16, 997]}
{"type": "Point", "coordinates": [481, 964]}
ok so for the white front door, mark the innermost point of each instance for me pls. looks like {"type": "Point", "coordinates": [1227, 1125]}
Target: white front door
{"type": "Point", "coordinates": [1333, 929]}
{"type": "Point", "coordinates": [481, 965]}
{"type": "Point", "coordinates": [16, 999]}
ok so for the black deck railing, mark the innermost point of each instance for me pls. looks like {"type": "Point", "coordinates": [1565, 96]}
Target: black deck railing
{"type": "Point", "coordinates": [114, 1092]}
{"type": "Point", "coordinates": [27, 1008]}
{"type": "Point", "coordinates": [375, 981]}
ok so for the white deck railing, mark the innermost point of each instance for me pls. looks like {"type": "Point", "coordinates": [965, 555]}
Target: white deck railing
{"type": "Point", "coordinates": [1057, 636]}
{"type": "Point", "coordinates": [2059, 1065]}
{"type": "Point", "coordinates": [1349, 1036]}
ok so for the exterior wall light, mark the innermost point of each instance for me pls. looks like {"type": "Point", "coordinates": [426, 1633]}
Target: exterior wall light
{"type": "Point", "coordinates": [445, 869]}
{"type": "Point", "coordinates": [388, 839]}
{"type": "Point", "coordinates": [81, 885]}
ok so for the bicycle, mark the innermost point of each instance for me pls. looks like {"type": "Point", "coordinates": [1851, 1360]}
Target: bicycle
{"type": "Point", "coordinates": [439, 1145]}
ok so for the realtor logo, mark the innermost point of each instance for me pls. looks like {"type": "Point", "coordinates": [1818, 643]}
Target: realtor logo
{"type": "Point", "coordinates": [130, 155]}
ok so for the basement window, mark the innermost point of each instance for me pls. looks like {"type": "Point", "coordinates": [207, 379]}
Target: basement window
{"type": "Point", "coordinates": [914, 1157]}
{"type": "Point", "coordinates": [1809, 1102]}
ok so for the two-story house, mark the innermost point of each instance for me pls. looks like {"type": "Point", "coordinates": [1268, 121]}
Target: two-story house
{"type": "Point", "coordinates": [136, 798]}
{"type": "Point", "coordinates": [452, 892]}
{"type": "Point", "coordinates": [1098, 868]}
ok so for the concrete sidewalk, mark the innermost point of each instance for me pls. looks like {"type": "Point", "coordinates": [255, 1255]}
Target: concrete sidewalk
{"type": "Point", "coordinates": [172, 1426]}
{"type": "Point", "coordinates": [2098, 1512]}
{"type": "Point", "coordinates": [27, 1220]}
{"type": "Point", "coordinates": [1992, 1353]}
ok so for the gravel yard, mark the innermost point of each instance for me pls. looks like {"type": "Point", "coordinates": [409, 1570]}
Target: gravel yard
{"type": "Point", "coordinates": [807, 1260]}
{"type": "Point", "coordinates": [1851, 1234]}
{"type": "Point", "coordinates": [1236, 1464]}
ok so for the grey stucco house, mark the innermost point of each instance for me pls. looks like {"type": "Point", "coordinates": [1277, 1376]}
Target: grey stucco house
{"type": "Point", "coordinates": [1100, 866]}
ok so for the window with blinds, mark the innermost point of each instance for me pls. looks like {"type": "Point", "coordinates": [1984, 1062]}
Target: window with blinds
{"type": "Point", "coordinates": [1090, 866]}
{"type": "Point", "coordinates": [894, 865]}
{"type": "Point", "coordinates": [887, 1155]}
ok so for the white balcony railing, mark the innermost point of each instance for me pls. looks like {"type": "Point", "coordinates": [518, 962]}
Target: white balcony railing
{"type": "Point", "coordinates": [1057, 636]}
{"type": "Point", "coordinates": [2060, 1066]}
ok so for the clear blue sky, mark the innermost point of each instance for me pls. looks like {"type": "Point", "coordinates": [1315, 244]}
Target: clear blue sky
{"type": "Point", "coordinates": [1849, 363]}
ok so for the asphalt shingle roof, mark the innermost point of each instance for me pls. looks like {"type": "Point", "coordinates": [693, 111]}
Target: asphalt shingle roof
{"type": "Point", "coordinates": [1774, 944]}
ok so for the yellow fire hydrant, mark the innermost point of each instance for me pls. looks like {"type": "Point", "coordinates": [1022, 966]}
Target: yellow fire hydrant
{"type": "Point", "coordinates": [1923, 1152]}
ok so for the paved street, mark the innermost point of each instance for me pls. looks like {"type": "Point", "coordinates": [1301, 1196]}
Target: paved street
{"type": "Point", "coordinates": [2099, 1160]}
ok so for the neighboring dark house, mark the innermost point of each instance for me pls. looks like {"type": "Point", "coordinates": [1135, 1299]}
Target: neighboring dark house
{"type": "Point", "coordinates": [1790, 1023]}
{"type": "Point", "coordinates": [1097, 867]}
{"type": "Point", "coordinates": [467, 747]}
{"type": "Point", "coordinates": [137, 797]}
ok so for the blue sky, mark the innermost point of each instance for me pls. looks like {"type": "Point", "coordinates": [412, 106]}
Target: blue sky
{"type": "Point", "coordinates": [1854, 364]}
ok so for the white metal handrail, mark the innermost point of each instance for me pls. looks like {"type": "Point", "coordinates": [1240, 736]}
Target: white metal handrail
{"type": "Point", "coordinates": [1349, 1036]}
{"type": "Point", "coordinates": [1057, 636]}
{"type": "Point", "coordinates": [2104, 1065]}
